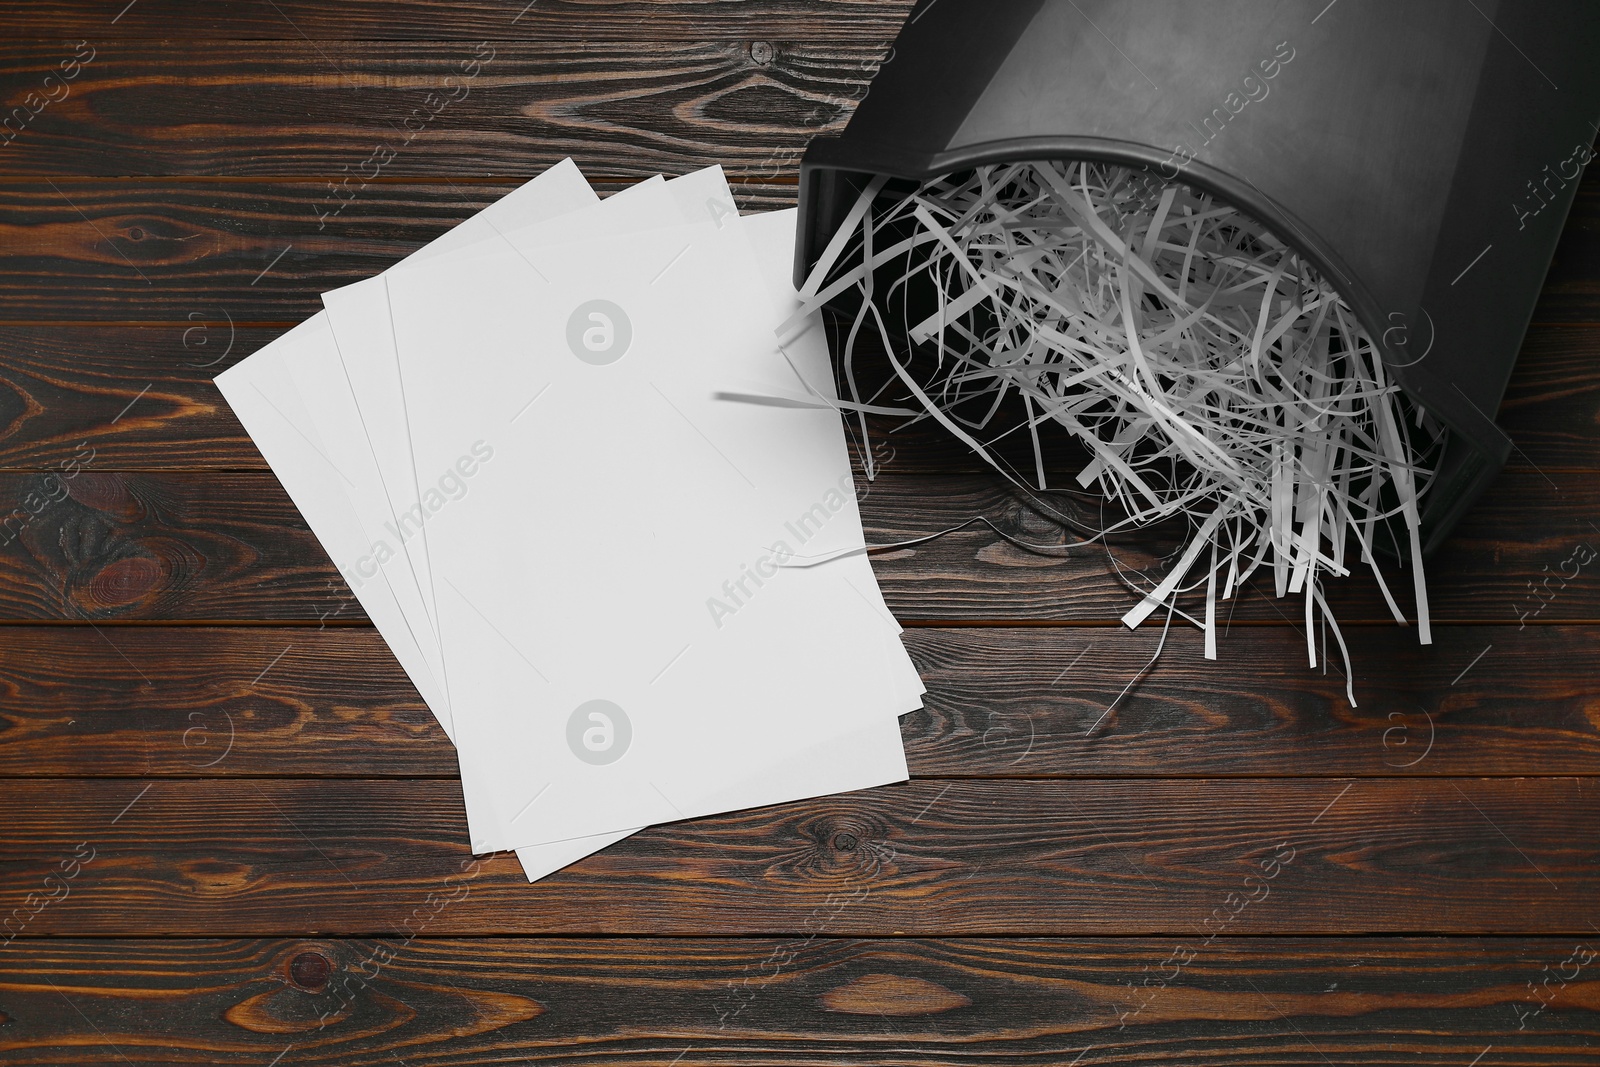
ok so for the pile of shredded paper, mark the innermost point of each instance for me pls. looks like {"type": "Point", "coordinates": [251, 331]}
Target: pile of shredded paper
{"type": "Point", "coordinates": [1210, 371]}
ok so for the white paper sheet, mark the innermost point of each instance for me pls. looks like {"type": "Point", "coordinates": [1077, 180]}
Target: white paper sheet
{"type": "Point", "coordinates": [702, 194]}
{"type": "Point", "coordinates": [481, 338]}
{"type": "Point", "coordinates": [290, 430]}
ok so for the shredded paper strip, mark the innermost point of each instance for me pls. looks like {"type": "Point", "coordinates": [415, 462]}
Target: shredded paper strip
{"type": "Point", "coordinates": [1212, 373]}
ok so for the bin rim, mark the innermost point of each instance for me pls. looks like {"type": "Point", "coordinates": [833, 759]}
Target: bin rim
{"type": "Point", "coordinates": [1477, 431]}
{"type": "Point", "coordinates": [1243, 195]}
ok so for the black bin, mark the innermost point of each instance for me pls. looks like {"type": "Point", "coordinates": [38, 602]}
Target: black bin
{"type": "Point", "coordinates": [1422, 154]}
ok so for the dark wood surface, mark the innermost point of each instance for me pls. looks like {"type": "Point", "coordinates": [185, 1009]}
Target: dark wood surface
{"type": "Point", "coordinates": [233, 834]}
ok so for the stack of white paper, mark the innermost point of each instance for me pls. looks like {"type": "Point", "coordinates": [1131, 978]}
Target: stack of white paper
{"type": "Point", "coordinates": [627, 598]}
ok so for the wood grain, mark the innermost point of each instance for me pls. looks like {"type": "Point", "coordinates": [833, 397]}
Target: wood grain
{"type": "Point", "coordinates": [251, 701]}
{"type": "Point", "coordinates": [494, 108]}
{"type": "Point", "coordinates": [1522, 531]}
{"type": "Point", "coordinates": [286, 856]}
{"type": "Point", "coordinates": [802, 1000]}
{"type": "Point", "coordinates": [217, 166]}
{"type": "Point", "coordinates": [184, 250]}
{"type": "Point", "coordinates": [65, 384]}
{"type": "Point", "coordinates": [189, 701]}
{"type": "Point", "coordinates": [1572, 287]}
{"type": "Point", "coordinates": [100, 545]}
{"type": "Point", "coordinates": [1552, 403]}
{"type": "Point", "coordinates": [644, 21]}
{"type": "Point", "coordinates": [188, 252]}
{"type": "Point", "coordinates": [193, 546]}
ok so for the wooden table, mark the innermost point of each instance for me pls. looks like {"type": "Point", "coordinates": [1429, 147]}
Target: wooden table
{"type": "Point", "coordinates": [233, 835]}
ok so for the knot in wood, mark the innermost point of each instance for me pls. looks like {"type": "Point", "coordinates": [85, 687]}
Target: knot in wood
{"type": "Point", "coordinates": [309, 971]}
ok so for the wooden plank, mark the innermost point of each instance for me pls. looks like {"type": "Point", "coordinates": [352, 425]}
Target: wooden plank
{"type": "Point", "coordinates": [283, 857]}
{"type": "Point", "coordinates": [644, 21]}
{"type": "Point", "coordinates": [1572, 287]}
{"type": "Point", "coordinates": [192, 546]}
{"type": "Point", "coordinates": [802, 1000]}
{"type": "Point", "coordinates": [182, 250]}
{"type": "Point", "coordinates": [69, 384]}
{"type": "Point", "coordinates": [185, 701]}
{"type": "Point", "coordinates": [138, 396]}
{"type": "Point", "coordinates": [98, 545]}
{"type": "Point", "coordinates": [188, 252]}
{"type": "Point", "coordinates": [1481, 700]}
{"type": "Point", "coordinates": [1524, 530]}
{"type": "Point", "coordinates": [251, 701]}
{"type": "Point", "coordinates": [1552, 403]}
{"type": "Point", "coordinates": [497, 108]}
